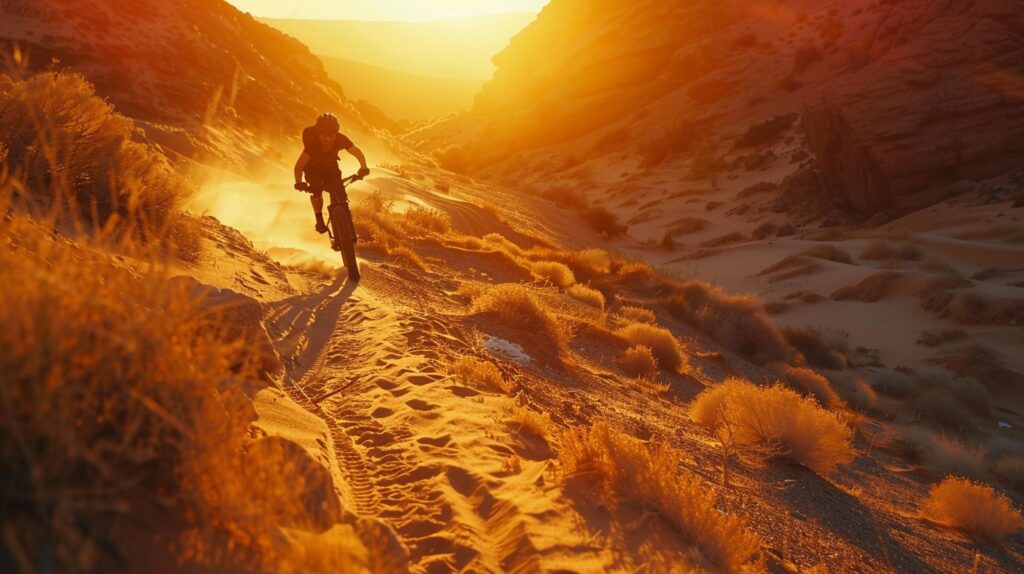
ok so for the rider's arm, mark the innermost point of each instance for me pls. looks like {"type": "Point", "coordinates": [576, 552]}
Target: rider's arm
{"type": "Point", "coordinates": [300, 166]}
{"type": "Point", "coordinates": [358, 154]}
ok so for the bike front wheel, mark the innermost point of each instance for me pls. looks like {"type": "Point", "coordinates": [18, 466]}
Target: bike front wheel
{"type": "Point", "coordinates": [344, 236]}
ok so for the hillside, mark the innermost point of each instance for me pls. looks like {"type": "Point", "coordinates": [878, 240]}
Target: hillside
{"type": "Point", "coordinates": [793, 152]}
{"type": "Point", "coordinates": [401, 95]}
{"type": "Point", "coordinates": [433, 49]}
{"type": "Point", "coordinates": [199, 77]}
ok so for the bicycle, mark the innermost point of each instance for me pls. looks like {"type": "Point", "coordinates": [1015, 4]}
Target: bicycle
{"type": "Point", "coordinates": [340, 228]}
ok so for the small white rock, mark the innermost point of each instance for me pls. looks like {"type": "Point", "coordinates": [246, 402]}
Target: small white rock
{"type": "Point", "coordinates": [507, 349]}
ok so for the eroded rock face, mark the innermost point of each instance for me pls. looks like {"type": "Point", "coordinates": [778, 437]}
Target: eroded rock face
{"type": "Point", "coordinates": [901, 101]}
{"type": "Point", "coordinates": [941, 99]}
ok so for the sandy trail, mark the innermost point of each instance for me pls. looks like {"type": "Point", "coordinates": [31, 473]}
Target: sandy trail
{"type": "Point", "coordinates": [429, 457]}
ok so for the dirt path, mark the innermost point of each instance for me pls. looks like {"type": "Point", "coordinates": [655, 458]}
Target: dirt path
{"type": "Point", "coordinates": [461, 490]}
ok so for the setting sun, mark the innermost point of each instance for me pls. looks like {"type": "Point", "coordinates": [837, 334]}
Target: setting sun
{"type": "Point", "coordinates": [388, 10]}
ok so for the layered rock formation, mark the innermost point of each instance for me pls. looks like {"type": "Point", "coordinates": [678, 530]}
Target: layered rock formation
{"type": "Point", "coordinates": [901, 101]}
{"type": "Point", "coordinates": [180, 67]}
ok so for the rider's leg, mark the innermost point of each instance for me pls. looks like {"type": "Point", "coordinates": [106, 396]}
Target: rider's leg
{"type": "Point", "coordinates": [317, 199]}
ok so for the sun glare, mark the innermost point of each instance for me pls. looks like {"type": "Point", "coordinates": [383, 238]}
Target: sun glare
{"type": "Point", "coordinates": [385, 10]}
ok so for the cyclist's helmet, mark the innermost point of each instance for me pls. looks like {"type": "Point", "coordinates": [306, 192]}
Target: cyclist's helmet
{"type": "Point", "coordinates": [327, 123]}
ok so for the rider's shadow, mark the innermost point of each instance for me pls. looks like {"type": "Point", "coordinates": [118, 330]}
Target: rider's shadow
{"type": "Point", "coordinates": [310, 321]}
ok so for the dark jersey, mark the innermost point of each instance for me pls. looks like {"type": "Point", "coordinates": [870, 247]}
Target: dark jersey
{"type": "Point", "coordinates": [321, 157]}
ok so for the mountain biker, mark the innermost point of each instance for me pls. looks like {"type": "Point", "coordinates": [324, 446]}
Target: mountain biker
{"type": "Point", "coordinates": [319, 163]}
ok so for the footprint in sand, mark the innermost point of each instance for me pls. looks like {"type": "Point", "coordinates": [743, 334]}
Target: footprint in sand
{"type": "Point", "coordinates": [381, 413]}
{"type": "Point", "coordinates": [462, 481]}
{"type": "Point", "coordinates": [439, 442]}
{"type": "Point", "coordinates": [421, 405]}
{"type": "Point", "coordinates": [463, 392]}
{"type": "Point", "coordinates": [386, 384]}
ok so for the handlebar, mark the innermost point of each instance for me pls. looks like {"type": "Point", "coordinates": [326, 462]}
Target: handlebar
{"type": "Point", "coordinates": [304, 187]}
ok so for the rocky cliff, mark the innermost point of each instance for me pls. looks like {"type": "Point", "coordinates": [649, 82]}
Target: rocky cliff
{"type": "Point", "coordinates": [190, 72]}
{"type": "Point", "coordinates": [900, 100]}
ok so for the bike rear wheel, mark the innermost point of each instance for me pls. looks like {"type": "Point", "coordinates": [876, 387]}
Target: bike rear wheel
{"type": "Point", "coordinates": [344, 236]}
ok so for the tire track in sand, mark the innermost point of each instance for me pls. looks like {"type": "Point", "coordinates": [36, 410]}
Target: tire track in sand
{"type": "Point", "coordinates": [416, 452]}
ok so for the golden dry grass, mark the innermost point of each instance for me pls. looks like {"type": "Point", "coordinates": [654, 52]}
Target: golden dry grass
{"type": "Point", "coordinates": [553, 272]}
{"type": "Point", "coordinates": [1010, 470]}
{"type": "Point", "coordinates": [637, 314]}
{"type": "Point", "coordinates": [662, 343]}
{"type": "Point", "coordinates": [407, 255]}
{"type": "Point", "coordinates": [813, 384]}
{"type": "Point", "coordinates": [527, 419]}
{"type": "Point", "coordinates": [736, 321]}
{"type": "Point", "coordinates": [869, 290]}
{"type": "Point", "coordinates": [775, 418]}
{"type": "Point", "coordinates": [638, 361]}
{"type": "Point", "coordinates": [123, 390]}
{"type": "Point", "coordinates": [940, 453]}
{"type": "Point", "coordinates": [477, 373]}
{"type": "Point", "coordinates": [974, 508]}
{"type": "Point", "coordinates": [77, 156]}
{"type": "Point", "coordinates": [626, 468]}
{"type": "Point", "coordinates": [516, 308]}
{"type": "Point", "coordinates": [595, 261]}
{"type": "Point", "coordinates": [636, 272]}
{"type": "Point", "coordinates": [591, 297]}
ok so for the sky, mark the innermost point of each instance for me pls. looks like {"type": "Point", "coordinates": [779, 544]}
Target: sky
{"type": "Point", "coordinates": [394, 10]}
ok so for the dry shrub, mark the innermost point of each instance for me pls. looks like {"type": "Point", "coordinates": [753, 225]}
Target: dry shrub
{"type": "Point", "coordinates": [121, 397]}
{"type": "Point", "coordinates": [815, 350]}
{"type": "Point", "coordinates": [775, 418]}
{"type": "Point", "coordinates": [723, 240]}
{"type": "Point", "coordinates": [974, 508]}
{"type": "Point", "coordinates": [881, 251]}
{"type": "Point", "coordinates": [937, 337]}
{"type": "Point", "coordinates": [501, 243]}
{"type": "Point", "coordinates": [662, 343]}
{"type": "Point", "coordinates": [423, 221]}
{"type": "Point", "coordinates": [525, 418]}
{"type": "Point", "coordinates": [403, 253]}
{"type": "Point", "coordinates": [515, 307]}
{"type": "Point", "coordinates": [855, 391]}
{"type": "Point", "coordinates": [639, 361]}
{"type": "Point", "coordinates": [553, 272]}
{"type": "Point", "coordinates": [476, 373]}
{"type": "Point", "coordinates": [625, 467]}
{"type": "Point", "coordinates": [894, 384]}
{"type": "Point", "coordinates": [869, 290]}
{"type": "Point", "coordinates": [829, 253]}
{"type": "Point", "coordinates": [470, 290]}
{"type": "Point", "coordinates": [938, 407]}
{"type": "Point", "coordinates": [637, 314]}
{"type": "Point", "coordinates": [976, 362]}
{"type": "Point", "coordinates": [736, 321]}
{"type": "Point", "coordinates": [591, 297]}
{"type": "Point", "coordinates": [603, 221]}
{"type": "Point", "coordinates": [633, 271]}
{"type": "Point", "coordinates": [74, 150]}
{"type": "Point", "coordinates": [565, 197]}
{"type": "Point", "coordinates": [813, 384]}
{"type": "Point", "coordinates": [790, 267]}
{"type": "Point", "coordinates": [972, 308]}
{"type": "Point", "coordinates": [1010, 470]}
{"type": "Point", "coordinates": [591, 262]}
{"type": "Point", "coordinates": [939, 453]}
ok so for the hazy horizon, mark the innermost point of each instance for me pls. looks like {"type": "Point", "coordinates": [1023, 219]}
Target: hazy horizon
{"type": "Point", "coordinates": [386, 10]}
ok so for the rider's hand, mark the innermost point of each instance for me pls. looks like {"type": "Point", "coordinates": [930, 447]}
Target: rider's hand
{"type": "Point", "coordinates": [302, 186]}
{"type": "Point", "coordinates": [363, 172]}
